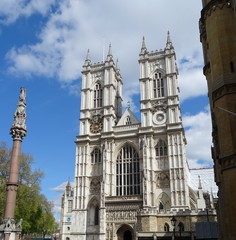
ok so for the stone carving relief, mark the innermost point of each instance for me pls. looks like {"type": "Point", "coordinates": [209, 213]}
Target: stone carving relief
{"type": "Point", "coordinates": [96, 116]}
{"type": "Point", "coordinates": [163, 180]}
{"type": "Point", "coordinates": [155, 65]}
{"type": "Point", "coordinates": [159, 105]}
{"type": "Point", "coordinates": [121, 216]}
{"type": "Point", "coordinates": [95, 186]}
{"type": "Point", "coordinates": [98, 76]}
{"type": "Point", "coordinates": [9, 225]}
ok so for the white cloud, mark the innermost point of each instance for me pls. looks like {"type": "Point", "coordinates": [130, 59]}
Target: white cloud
{"type": "Point", "coordinates": [198, 135]}
{"type": "Point", "coordinates": [77, 25]}
{"type": "Point", "coordinates": [11, 10]}
{"type": "Point", "coordinates": [60, 189]}
{"type": "Point", "coordinates": [192, 82]}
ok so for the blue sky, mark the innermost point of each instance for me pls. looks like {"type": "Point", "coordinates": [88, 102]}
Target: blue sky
{"type": "Point", "coordinates": [43, 45]}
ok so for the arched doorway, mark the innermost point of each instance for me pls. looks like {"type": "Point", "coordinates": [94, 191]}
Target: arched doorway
{"type": "Point", "coordinates": [127, 235]}
{"type": "Point", "coordinates": [125, 232]}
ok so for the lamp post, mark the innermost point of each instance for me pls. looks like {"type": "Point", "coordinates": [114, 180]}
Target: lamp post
{"type": "Point", "coordinates": [173, 223]}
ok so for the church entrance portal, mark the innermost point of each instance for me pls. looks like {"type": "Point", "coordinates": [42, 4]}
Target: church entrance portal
{"type": "Point", "coordinates": [125, 233]}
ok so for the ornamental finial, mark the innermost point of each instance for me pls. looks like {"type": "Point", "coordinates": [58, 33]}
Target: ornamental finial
{"type": "Point", "coordinates": [18, 129]}
{"type": "Point", "coordinates": [128, 104]}
{"type": "Point", "coordinates": [109, 55]}
{"type": "Point", "coordinates": [143, 48]}
{"type": "Point", "coordinates": [168, 42]}
{"type": "Point", "coordinates": [199, 183]}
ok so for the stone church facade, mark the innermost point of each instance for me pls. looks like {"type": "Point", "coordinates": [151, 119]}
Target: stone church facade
{"type": "Point", "coordinates": [131, 177]}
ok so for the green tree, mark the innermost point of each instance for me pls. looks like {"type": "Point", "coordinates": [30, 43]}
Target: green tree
{"type": "Point", "coordinates": [31, 206]}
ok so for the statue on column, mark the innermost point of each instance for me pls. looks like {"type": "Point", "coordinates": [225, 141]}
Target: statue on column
{"type": "Point", "coordinates": [9, 229]}
{"type": "Point", "coordinates": [18, 129]}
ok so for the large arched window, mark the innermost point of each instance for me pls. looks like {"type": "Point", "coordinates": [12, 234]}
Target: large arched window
{"type": "Point", "coordinates": [127, 172]}
{"type": "Point", "coordinates": [158, 85]}
{"type": "Point", "coordinates": [161, 149]}
{"type": "Point", "coordinates": [96, 156]}
{"type": "Point", "coordinates": [97, 97]}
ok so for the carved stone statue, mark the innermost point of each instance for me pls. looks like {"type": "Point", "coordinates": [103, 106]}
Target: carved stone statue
{"type": "Point", "coordinates": [18, 129]}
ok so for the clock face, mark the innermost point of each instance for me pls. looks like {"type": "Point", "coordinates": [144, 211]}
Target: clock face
{"type": "Point", "coordinates": [96, 127]}
{"type": "Point", "coordinates": [68, 219]}
{"type": "Point", "coordinates": [159, 117]}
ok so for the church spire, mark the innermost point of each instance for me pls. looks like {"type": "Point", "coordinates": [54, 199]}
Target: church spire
{"type": "Point", "coordinates": [143, 48]}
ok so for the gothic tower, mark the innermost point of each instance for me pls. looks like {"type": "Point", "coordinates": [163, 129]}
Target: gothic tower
{"type": "Point", "coordinates": [218, 37]}
{"type": "Point", "coordinates": [161, 123]}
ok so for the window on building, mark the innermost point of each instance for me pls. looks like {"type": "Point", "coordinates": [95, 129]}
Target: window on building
{"type": "Point", "coordinates": [97, 98]}
{"type": "Point", "coordinates": [70, 206]}
{"type": "Point", "coordinates": [96, 216]}
{"type": "Point", "coordinates": [161, 149]}
{"type": "Point", "coordinates": [158, 85]}
{"type": "Point", "coordinates": [96, 156]}
{"type": "Point", "coordinates": [166, 227]}
{"type": "Point", "coordinates": [161, 206]}
{"type": "Point", "coordinates": [181, 227]}
{"type": "Point", "coordinates": [128, 121]}
{"type": "Point", "coordinates": [93, 213]}
{"type": "Point", "coordinates": [127, 172]}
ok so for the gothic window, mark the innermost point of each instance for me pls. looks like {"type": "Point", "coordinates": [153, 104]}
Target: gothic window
{"type": "Point", "coordinates": [93, 213]}
{"type": "Point", "coordinates": [69, 206]}
{"type": "Point", "coordinates": [158, 85]}
{"type": "Point", "coordinates": [127, 172]}
{"type": "Point", "coordinates": [96, 156]}
{"type": "Point", "coordinates": [166, 227]}
{"type": "Point", "coordinates": [161, 149]}
{"type": "Point", "coordinates": [97, 98]}
{"type": "Point", "coordinates": [128, 121]}
{"type": "Point", "coordinates": [164, 201]}
{"type": "Point", "coordinates": [181, 227]}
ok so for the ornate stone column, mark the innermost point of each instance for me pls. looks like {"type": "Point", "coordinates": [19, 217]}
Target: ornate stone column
{"type": "Point", "coordinates": [9, 229]}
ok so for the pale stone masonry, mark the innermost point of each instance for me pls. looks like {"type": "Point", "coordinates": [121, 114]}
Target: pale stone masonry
{"type": "Point", "coordinates": [131, 177]}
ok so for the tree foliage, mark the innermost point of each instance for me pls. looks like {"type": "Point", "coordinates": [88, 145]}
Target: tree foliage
{"type": "Point", "coordinates": [31, 206]}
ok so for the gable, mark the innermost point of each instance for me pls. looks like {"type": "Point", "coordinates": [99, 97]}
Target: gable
{"type": "Point", "coordinates": [128, 118]}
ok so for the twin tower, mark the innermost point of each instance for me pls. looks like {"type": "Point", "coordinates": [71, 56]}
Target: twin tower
{"type": "Point", "coordinates": [131, 177]}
